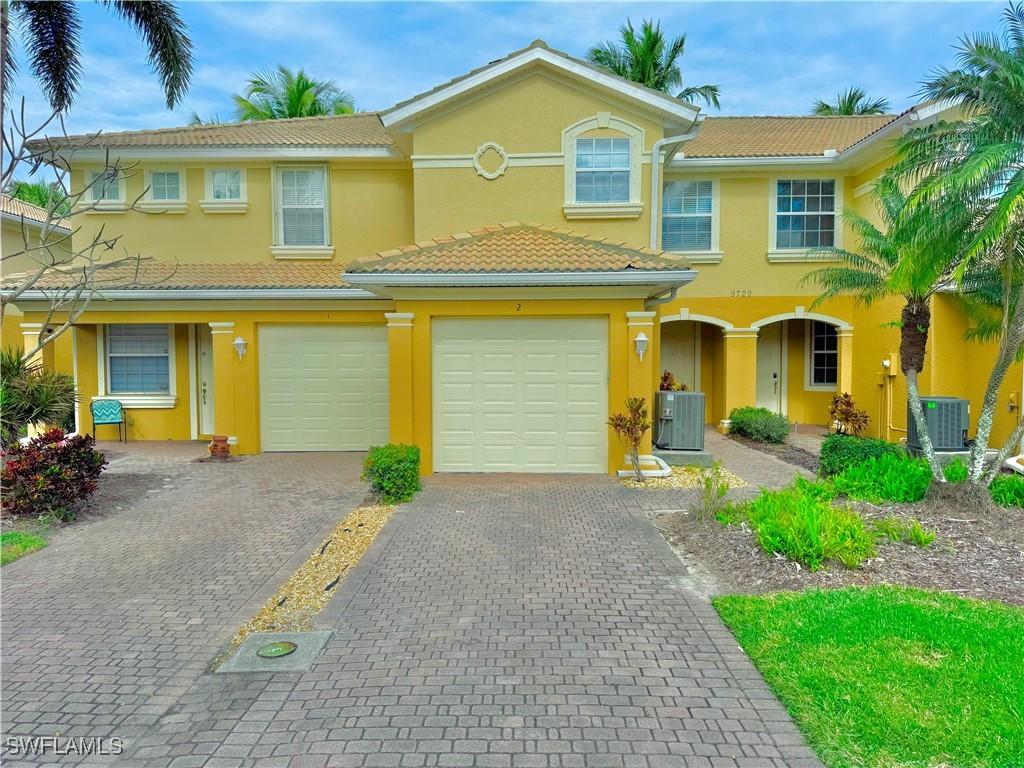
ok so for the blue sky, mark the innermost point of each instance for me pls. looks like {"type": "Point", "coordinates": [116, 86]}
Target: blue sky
{"type": "Point", "coordinates": [768, 58]}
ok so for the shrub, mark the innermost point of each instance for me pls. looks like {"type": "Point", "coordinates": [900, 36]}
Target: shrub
{"type": "Point", "coordinates": [50, 475]}
{"type": "Point", "coordinates": [956, 471]}
{"type": "Point", "coordinates": [30, 394]}
{"type": "Point", "coordinates": [912, 533]}
{"type": "Point", "coordinates": [841, 451]}
{"type": "Point", "coordinates": [631, 427]}
{"type": "Point", "coordinates": [393, 472]}
{"type": "Point", "coordinates": [848, 418]}
{"type": "Point", "coordinates": [889, 477]}
{"type": "Point", "coordinates": [759, 424]}
{"type": "Point", "coordinates": [801, 523]}
{"type": "Point", "coordinates": [1008, 490]}
{"type": "Point", "coordinates": [713, 490]}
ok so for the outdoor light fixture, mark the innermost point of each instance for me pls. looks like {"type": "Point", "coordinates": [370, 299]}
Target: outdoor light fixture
{"type": "Point", "coordinates": [239, 345]}
{"type": "Point", "coordinates": [641, 344]}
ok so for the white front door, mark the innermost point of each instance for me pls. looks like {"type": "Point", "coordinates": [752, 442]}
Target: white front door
{"type": "Point", "coordinates": [770, 374]}
{"type": "Point", "coordinates": [323, 387]}
{"type": "Point", "coordinates": [204, 349]}
{"type": "Point", "coordinates": [520, 395]}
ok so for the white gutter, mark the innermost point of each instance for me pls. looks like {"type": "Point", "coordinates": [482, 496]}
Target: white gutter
{"type": "Point", "coordinates": [624, 277]}
{"type": "Point", "coordinates": [32, 223]}
{"type": "Point", "coordinates": [121, 294]}
{"type": "Point", "coordinates": [656, 172]}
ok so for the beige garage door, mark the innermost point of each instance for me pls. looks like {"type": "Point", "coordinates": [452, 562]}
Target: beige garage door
{"type": "Point", "coordinates": [323, 387]}
{"type": "Point", "coordinates": [520, 395]}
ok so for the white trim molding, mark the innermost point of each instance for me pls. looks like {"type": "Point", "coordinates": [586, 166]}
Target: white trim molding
{"type": "Point", "coordinates": [211, 205]}
{"type": "Point", "coordinates": [222, 327]}
{"type": "Point", "coordinates": [399, 319]}
{"type": "Point", "coordinates": [178, 205]}
{"type": "Point", "coordinates": [799, 313]}
{"type": "Point", "coordinates": [285, 252]}
{"type": "Point", "coordinates": [802, 255]}
{"type": "Point", "coordinates": [640, 319]}
{"type": "Point", "coordinates": [809, 385]}
{"type": "Point", "coordinates": [216, 294]}
{"type": "Point", "coordinates": [662, 278]}
{"type": "Point", "coordinates": [632, 208]}
{"type": "Point", "coordinates": [482, 150]}
{"type": "Point", "coordinates": [714, 254]}
{"type": "Point", "coordinates": [136, 399]}
{"type": "Point", "coordinates": [685, 314]}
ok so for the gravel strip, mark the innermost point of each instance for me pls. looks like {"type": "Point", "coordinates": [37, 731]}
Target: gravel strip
{"type": "Point", "coordinates": [682, 477]}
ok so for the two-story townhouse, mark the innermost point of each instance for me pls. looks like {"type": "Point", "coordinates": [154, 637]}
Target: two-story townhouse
{"type": "Point", "coordinates": [488, 270]}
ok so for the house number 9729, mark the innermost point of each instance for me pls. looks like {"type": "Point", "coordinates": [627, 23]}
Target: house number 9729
{"type": "Point", "coordinates": [741, 293]}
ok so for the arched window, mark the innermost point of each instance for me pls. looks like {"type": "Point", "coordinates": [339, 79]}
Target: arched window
{"type": "Point", "coordinates": [602, 168]}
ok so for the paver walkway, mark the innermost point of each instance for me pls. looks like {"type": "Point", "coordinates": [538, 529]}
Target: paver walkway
{"type": "Point", "coordinates": [107, 627]}
{"type": "Point", "coordinates": [501, 621]}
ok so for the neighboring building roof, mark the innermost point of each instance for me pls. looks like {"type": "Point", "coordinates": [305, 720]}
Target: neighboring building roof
{"type": "Point", "coordinates": [539, 51]}
{"type": "Point", "coordinates": [766, 136]}
{"type": "Point", "coordinates": [163, 276]}
{"type": "Point", "coordinates": [515, 248]}
{"type": "Point", "coordinates": [359, 130]}
{"type": "Point", "coordinates": [18, 210]}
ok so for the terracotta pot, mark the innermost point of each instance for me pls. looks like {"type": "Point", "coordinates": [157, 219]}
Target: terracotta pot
{"type": "Point", "coordinates": [219, 448]}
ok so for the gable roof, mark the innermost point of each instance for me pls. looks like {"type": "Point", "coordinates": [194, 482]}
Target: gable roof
{"type": "Point", "coordinates": [767, 136]}
{"type": "Point", "coordinates": [19, 211]}
{"type": "Point", "coordinates": [673, 110]}
{"type": "Point", "coordinates": [359, 130]}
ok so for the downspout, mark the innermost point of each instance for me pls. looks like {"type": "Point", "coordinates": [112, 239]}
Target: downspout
{"type": "Point", "coordinates": [656, 172]}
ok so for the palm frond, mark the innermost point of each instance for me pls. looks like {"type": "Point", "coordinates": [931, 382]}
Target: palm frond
{"type": "Point", "coordinates": [51, 40]}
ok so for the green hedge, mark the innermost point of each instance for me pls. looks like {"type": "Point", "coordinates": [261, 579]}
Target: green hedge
{"type": "Point", "coordinates": [841, 451]}
{"type": "Point", "coordinates": [393, 472]}
{"type": "Point", "coordinates": [759, 424]}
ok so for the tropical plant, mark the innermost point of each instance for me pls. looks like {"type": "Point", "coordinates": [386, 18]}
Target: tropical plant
{"type": "Point", "coordinates": [848, 418]}
{"type": "Point", "coordinates": [852, 101]}
{"type": "Point", "coordinates": [913, 257]}
{"type": "Point", "coordinates": [42, 194]}
{"type": "Point", "coordinates": [889, 477]}
{"type": "Point", "coordinates": [1008, 490]}
{"type": "Point", "coordinates": [977, 165]}
{"type": "Point", "coordinates": [652, 60]}
{"type": "Point", "coordinates": [631, 427]}
{"type": "Point", "coordinates": [286, 93]}
{"type": "Point", "coordinates": [759, 424]}
{"type": "Point", "coordinates": [50, 36]}
{"type": "Point", "coordinates": [30, 394]}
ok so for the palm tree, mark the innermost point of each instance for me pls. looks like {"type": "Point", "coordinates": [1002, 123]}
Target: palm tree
{"type": "Point", "coordinates": [284, 93]}
{"type": "Point", "coordinates": [852, 101]}
{"type": "Point", "coordinates": [913, 256]}
{"type": "Point", "coordinates": [651, 60]}
{"type": "Point", "coordinates": [51, 33]}
{"type": "Point", "coordinates": [39, 193]}
{"type": "Point", "coordinates": [977, 164]}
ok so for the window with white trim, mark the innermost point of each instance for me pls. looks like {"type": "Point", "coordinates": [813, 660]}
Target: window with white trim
{"type": "Point", "coordinates": [602, 170]}
{"type": "Point", "coordinates": [805, 213]}
{"type": "Point", "coordinates": [226, 184]}
{"type": "Point", "coordinates": [822, 355]}
{"type": "Point", "coordinates": [686, 217]}
{"type": "Point", "coordinates": [138, 359]}
{"type": "Point", "coordinates": [165, 186]}
{"type": "Point", "coordinates": [105, 186]}
{"type": "Point", "coordinates": [302, 206]}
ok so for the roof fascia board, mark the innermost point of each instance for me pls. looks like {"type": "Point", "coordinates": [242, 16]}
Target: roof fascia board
{"type": "Point", "coordinates": [211, 294]}
{"type": "Point", "coordinates": [19, 220]}
{"type": "Point", "coordinates": [663, 105]}
{"type": "Point", "coordinates": [481, 279]}
{"type": "Point", "coordinates": [278, 152]}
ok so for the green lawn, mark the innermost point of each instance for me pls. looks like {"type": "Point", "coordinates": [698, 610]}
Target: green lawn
{"type": "Point", "coordinates": [14, 544]}
{"type": "Point", "coordinates": [891, 677]}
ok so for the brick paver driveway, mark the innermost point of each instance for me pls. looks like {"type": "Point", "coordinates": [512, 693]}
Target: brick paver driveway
{"type": "Point", "coordinates": [500, 621]}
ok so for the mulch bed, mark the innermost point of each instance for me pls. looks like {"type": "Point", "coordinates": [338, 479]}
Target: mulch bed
{"type": "Point", "coordinates": [976, 554]}
{"type": "Point", "coordinates": [799, 457]}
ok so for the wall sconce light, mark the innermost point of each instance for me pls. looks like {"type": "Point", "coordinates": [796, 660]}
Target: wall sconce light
{"type": "Point", "coordinates": [641, 344]}
{"type": "Point", "coordinates": [239, 344]}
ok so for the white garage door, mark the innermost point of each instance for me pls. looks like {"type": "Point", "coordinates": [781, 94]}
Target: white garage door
{"type": "Point", "coordinates": [520, 395]}
{"type": "Point", "coordinates": [323, 387]}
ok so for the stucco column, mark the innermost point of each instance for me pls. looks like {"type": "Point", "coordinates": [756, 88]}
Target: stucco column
{"type": "Point", "coordinates": [740, 386]}
{"type": "Point", "coordinates": [400, 376]}
{"type": "Point", "coordinates": [224, 358]}
{"type": "Point", "coordinates": [44, 357]}
{"type": "Point", "coordinates": [640, 371]}
{"type": "Point", "coordinates": [845, 379]}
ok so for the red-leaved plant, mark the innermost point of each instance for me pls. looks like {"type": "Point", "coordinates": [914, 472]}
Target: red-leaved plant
{"type": "Point", "coordinates": [50, 474]}
{"type": "Point", "coordinates": [848, 418]}
{"type": "Point", "coordinates": [631, 427]}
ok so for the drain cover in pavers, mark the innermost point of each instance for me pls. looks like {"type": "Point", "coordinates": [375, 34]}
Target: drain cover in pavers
{"type": "Point", "coordinates": [247, 658]}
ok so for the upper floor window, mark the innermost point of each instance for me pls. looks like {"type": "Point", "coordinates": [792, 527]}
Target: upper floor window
{"type": "Point", "coordinates": [687, 209]}
{"type": "Point", "coordinates": [302, 206]}
{"type": "Point", "coordinates": [822, 355]}
{"type": "Point", "coordinates": [105, 186]}
{"type": "Point", "coordinates": [226, 184]}
{"type": "Point", "coordinates": [805, 213]}
{"type": "Point", "coordinates": [602, 170]}
{"type": "Point", "coordinates": [165, 185]}
{"type": "Point", "coordinates": [138, 359]}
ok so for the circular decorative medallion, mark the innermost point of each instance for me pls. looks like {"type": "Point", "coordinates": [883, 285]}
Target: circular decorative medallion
{"type": "Point", "coordinates": [492, 151]}
{"type": "Point", "coordinates": [276, 650]}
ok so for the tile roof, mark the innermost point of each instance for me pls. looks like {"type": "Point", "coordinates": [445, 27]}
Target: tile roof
{"type": "Point", "coordinates": [359, 130]}
{"type": "Point", "coordinates": [781, 136]}
{"type": "Point", "coordinates": [22, 210]}
{"type": "Point", "coordinates": [163, 276]}
{"type": "Point", "coordinates": [515, 247]}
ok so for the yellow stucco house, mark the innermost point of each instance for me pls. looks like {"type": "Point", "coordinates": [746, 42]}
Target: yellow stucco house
{"type": "Point", "coordinates": [471, 271]}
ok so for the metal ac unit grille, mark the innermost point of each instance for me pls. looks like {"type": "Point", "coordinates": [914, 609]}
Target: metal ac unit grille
{"type": "Point", "coordinates": [947, 419]}
{"type": "Point", "coordinates": [684, 430]}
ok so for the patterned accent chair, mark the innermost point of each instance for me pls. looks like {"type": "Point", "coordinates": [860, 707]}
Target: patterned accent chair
{"type": "Point", "coordinates": [109, 412]}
